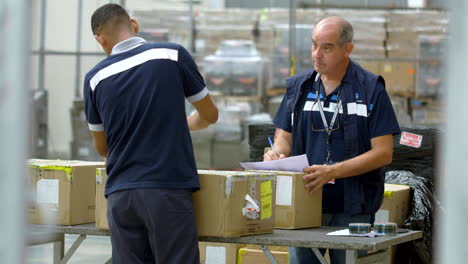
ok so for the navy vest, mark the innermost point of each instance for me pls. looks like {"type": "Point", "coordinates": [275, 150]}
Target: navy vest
{"type": "Point", "coordinates": [363, 194]}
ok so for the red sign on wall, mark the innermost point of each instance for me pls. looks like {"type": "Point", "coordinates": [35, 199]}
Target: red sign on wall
{"type": "Point", "coordinates": [411, 140]}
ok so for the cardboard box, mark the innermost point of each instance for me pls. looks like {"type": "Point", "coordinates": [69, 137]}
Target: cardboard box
{"type": "Point", "coordinates": [370, 65]}
{"type": "Point", "coordinates": [399, 77]}
{"type": "Point", "coordinates": [221, 204]}
{"type": "Point", "coordinates": [64, 190]}
{"type": "Point", "coordinates": [256, 256]}
{"type": "Point", "coordinates": [395, 205]}
{"type": "Point", "coordinates": [295, 208]}
{"type": "Point", "coordinates": [101, 200]}
{"type": "Point", "coordinates": [395, 208]}
{"type": "Point", "coordinates": [218, 253]}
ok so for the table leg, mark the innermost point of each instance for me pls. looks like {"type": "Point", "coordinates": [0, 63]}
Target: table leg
{"type": "Point", "coordinates": [72, 249]}
{"type": "Point", "coordinates": [319, 255]}
{"type": "Point", "coordinates": [268, 254]}
{"type": "Point", "coordinates": [59, 249]}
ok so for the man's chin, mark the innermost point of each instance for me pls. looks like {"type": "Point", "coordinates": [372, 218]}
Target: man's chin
{"type": "Point", "coordinates": [319, 68]}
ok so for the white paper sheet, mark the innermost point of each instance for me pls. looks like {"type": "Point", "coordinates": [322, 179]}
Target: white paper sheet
{"type": "Point", "coordinates": [284, 190]}
{"type": "Point", "coordinates": [295, 163]}
{"type": "Point", "coordinates": [345, 232]}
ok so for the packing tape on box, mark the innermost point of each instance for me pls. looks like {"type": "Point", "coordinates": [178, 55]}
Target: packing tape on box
{"type": "Point", "coordinates": [359, 228]}
{"type": "Point", "coordinates": [387, 229]}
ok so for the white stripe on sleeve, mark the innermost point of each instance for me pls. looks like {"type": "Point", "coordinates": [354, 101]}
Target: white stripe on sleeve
{"type": "Point", "coordinates": [197, 97]}
{"type": "Point", "coordinates": [96, 127]}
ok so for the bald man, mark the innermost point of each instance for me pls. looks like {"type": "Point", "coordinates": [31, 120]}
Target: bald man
{"type": "Point", "coordinates": [135, 107]}
{"type": "Point", "coordinates": [340, 115]}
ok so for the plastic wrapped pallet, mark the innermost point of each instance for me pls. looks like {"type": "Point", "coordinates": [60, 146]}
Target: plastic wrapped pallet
{"type": "Point", "coordinates": [404, 27]}
{"type": "Point", "coordinates": [425, 203]}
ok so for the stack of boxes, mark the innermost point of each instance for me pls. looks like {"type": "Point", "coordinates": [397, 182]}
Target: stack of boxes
{"type": "Point", "coordinates": [426, 109]}
{"type": "Point", "coordinates": [404, 27]}
{"type": "Point", "coordinates": [415, 43]}
{"type": "Point", "coordinates": [369, 31]}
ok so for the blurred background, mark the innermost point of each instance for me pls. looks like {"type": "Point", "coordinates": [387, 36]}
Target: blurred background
{"type": "Point", "coordinates": [245, 50]}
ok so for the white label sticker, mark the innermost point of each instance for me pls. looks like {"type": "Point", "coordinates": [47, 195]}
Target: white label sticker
{"type": "Point", "coordinates": [215, 255]}
{"type": "Point", "coordinates": [48, 191]}
{"type": "Point", "coordinates": [382, 216]}
{"type": "Point", "coordinates": [284, 190]}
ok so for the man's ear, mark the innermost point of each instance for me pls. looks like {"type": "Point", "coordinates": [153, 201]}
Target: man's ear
{"type": "Point", "coordinates": [135, 25]}
{"type": "Point", "coordinates": [100, 40]}
{"type": "Point", "coordinates": [349, 47]}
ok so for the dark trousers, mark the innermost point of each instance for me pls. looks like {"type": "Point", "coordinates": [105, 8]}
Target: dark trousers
{"type": "Point", "coordinates": [152, 226]}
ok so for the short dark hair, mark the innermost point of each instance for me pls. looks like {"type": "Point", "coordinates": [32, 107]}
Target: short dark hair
{"type": "Point", "coordinates": [346, 30]}
{"type": "Point", "coordinates": [104, 14]}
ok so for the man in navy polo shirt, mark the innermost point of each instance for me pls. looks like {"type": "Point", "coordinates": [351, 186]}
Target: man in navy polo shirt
{"type": "Point", "coordinates": [135, 107]}
{"type": "Point", "coordinates": [340, 116]}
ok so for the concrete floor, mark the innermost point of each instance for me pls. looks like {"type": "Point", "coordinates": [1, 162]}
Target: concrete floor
{"type": "Point", "coordinates": [94, 249]}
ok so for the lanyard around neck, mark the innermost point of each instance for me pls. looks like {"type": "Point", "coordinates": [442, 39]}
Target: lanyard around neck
{"type": "Point", "coordinates": [322, 114]}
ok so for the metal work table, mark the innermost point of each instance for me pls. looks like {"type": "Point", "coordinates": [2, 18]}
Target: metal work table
{"type": "Point", "coordinates": [313, 238]}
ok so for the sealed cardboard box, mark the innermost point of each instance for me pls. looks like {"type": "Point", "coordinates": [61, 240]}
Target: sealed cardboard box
{"type": "Point", "coordinates": [399, 77]}
{"type": "Point", "coordinates": [257, 256]}
{"type": "Point", "coordinates": [295, 208]}
{"type": "Point", "coordinates": [218, 253]}
{"type": "Point", "coordinates": [395, 205]}
{"type": "Point", "coordinates": [101, 200]}
{"type": "Point", "coordinates": [234, 203]}
{"type": "Point", "coordinates": [64, 191]}
{"type": "Point", "coordinates": [395, 208]}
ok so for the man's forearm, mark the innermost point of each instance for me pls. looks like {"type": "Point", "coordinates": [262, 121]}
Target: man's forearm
{"type": "Point", "coordinates": [195, 122]}
{"type": "Point", "coordinates": [361, 164]}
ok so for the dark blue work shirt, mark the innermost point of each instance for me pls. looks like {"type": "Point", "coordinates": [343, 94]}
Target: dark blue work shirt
{"type": "Point", "coordinates": [137, 97]}
{"type": "Point", "coordinates": [380, 110]}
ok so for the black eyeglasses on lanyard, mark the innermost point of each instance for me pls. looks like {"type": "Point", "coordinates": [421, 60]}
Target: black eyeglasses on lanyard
{"type": "Point", "coordinates": [328, 128]}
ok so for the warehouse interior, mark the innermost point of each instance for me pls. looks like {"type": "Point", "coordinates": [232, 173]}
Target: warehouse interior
{"type": "Point", "coordinates": [245, 50]}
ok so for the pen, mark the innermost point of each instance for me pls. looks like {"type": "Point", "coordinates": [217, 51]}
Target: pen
{"type": "Point", "coordinates": [272, 146]}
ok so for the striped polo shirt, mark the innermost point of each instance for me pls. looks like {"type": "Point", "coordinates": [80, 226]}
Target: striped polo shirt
{"type": "Point", "coordinates": [137, 97]}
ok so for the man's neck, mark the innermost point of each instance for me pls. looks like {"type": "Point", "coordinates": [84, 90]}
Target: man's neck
{"type": "Point", "coordinates": [122, 37]}
{"type": "Point", "coordinates": [332, 80]}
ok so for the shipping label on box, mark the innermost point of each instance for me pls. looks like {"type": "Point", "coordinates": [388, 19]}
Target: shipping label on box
{"type": "Point", "coordinates": [218, 253]}
{"type": "Point", "coordinates": [233, 203]}
{"type": "Point", "coordinates": [64, 191]}
{"type": "Point", "coordinates": [101, 200]}
{"type": "Point", "coordinates": [295, 208]}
